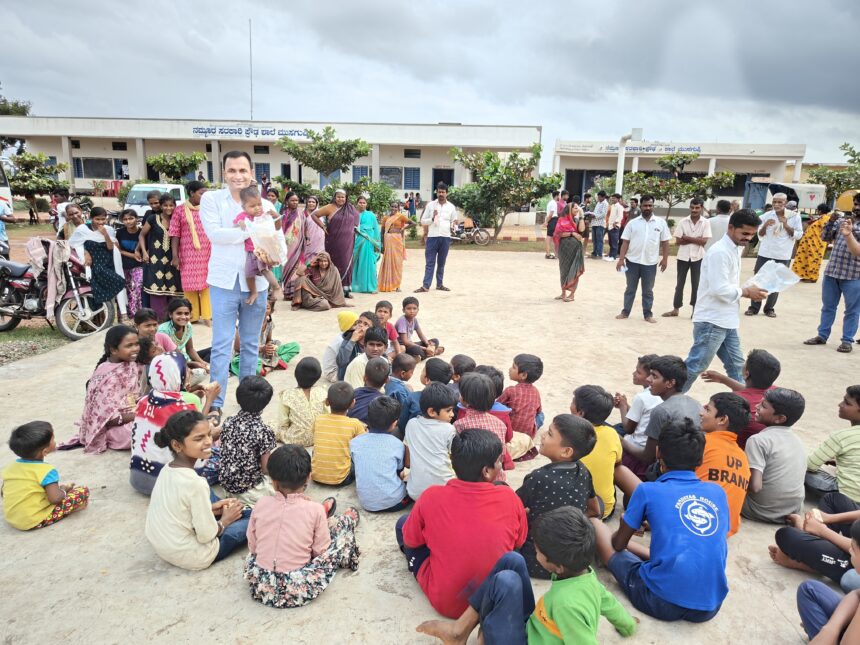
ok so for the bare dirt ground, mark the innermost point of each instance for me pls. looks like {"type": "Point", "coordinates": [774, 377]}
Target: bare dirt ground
{"type": "Point", "coordinates": [94, 578]}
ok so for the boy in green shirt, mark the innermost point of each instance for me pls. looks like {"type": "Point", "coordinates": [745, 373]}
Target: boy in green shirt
{"type": "Point", "coordinates": [569, 612]}
{"type": "Point", "coordinates": [843, 448]}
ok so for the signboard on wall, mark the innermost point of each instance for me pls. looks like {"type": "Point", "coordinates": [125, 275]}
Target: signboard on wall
{"type": "Point", "coordinates": [249, 132]}
{"type": "Point", "coordinates": [643, 148]}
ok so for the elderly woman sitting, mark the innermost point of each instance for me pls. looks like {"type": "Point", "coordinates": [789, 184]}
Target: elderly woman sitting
{"type": "Point", "coordinates": [318, 286]}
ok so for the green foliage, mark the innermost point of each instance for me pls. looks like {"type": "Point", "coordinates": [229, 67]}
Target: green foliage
{"type": "Point", "coordinates": [42, 205]}
{"type": "Point", "coordinates": [35, 176]}
{"type": "Point", "coordinates": [302, 190]}
{"type": "Point", "coordinates": [837, 181]}
{"type": "Point", "coordinates": [677, 162]}
{"type": "Point", "coordinates": [379, 195]}
{"type": "Point", "coordinates": [325, 153]}
{"type": "Point", "coordinates": [9, 107]}
{"type": "Point", "coordinates": [501, 185]}
{"type": "Point", "coordinates": [175, 166]}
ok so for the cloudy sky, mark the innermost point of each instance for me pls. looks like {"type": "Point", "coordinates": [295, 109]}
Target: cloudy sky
{"type": "Point", "coordinates": [730, 71]}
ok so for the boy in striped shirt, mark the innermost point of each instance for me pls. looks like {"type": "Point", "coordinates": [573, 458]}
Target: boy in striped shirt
{"type": "Point", "coordinates": [331, 463]}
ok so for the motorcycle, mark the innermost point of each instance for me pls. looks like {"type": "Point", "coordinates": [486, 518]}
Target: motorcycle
{"type": "Point", "coordinates": [468, 233]}
{"type": "Point", "coordinates": [24, 291]}
{"type": "Point", "coordinates": [4, 250]}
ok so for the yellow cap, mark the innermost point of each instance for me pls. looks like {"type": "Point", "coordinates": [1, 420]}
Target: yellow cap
{"type": "Point", "coordinates": [346, 319]}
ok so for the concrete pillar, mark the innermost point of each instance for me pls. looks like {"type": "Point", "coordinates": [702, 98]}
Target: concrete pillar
{"type": "Point", "coordinates": [461, 175]}
{"type": "Point", "coordinates": [139, 159]}
{"type": "Point", "coordinates": [215, 156]}
{"type": "Point", "coordinates": [374, 163]}
{"type": "Point", "coordinates": [712, 166]}
{"type": "Point", "coordinates": [66, 158]}
{"type": "Point", "coordinates": [556, 162]}
{"type": "Point", "coordinates": [635, 165]}
{"type": "Point", "coordinates": [798, 166]}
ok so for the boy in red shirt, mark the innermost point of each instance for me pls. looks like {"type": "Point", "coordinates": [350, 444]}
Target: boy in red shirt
{"type": "Point", "coordinates": [456, 533]}
{"type": "Point", "coordinates": [524, 401]}
{"type": "Point", "coordinates": [760, 373]}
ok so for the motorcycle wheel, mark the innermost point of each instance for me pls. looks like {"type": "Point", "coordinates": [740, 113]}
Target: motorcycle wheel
{"type": "Point", "coordinates": [482, 237]}
{"type": "Point", "coordinates": [8, 323]}
{"type": "Point", "coordinates": [73, 325]}
{"type": "Point", "coordinates": [10, 299]}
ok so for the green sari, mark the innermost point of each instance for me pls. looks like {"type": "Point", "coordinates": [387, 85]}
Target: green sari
{"type": "Point", "coordinates": [366, 254]}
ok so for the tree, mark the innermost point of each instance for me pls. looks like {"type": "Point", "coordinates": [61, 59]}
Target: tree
{"type": "Point", "coordinates": [325, 153]}
{"type": "Point", "coordinates": [9, 107]}
{"type": "Point", "coordinates": [301, 189]}
{"type": "Point", "coordinates": [175, 166]}
{"type": "Point", "coordinates": [837, 181]}
{"type": "Point", "coordinates": [674, 190]}
{"type": "Point", "coordinates": [379, 195]}
{"type": "Point", "coordinates": [35, 176]}
{"type": "Point", "coordinates": [503, 185]}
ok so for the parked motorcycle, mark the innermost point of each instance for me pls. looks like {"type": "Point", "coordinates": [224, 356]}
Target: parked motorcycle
{"type": "Point", "coordinates": [468, 233]}
{"type": "Point", "coordinates": [4, 250]}
{"type": "Point", "coordinates": [23, 296]}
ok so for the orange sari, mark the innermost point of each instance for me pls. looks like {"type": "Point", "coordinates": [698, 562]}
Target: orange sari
{"type": "Point", "coordinates": [391, 268]}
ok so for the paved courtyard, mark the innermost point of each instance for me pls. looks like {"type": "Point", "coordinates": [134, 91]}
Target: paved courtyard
{"type": "Point", "coordinates": [94, 578]}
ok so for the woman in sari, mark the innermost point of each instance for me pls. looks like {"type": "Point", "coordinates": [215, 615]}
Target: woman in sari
{"type": "Point", "coordinates": [367, 248]}
{"type": "Point", "coordinates": [293, 225]}
{"type": "Point", "coordinates": [319, 285]}
{"type": "Point", "coordinates": [160, 278]}
{"type": "Point", "coordinates": [342, 219]}
{"type": "Point", "coordinates": [314, 233]}
{"type": "Point", "coordinates": [111, 396]}
{"type": "Point", "coordinates": [394, 248]}
{"type": "Point", "coordinates": [568, 247]}
{"type": "Point", "coordinates": [97, 246]}
{"type": "Point", "coordinates": [811, 248]}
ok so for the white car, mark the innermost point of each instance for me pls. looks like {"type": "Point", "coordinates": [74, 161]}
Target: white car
{"type": "Point", "coordinates": [136, 198]}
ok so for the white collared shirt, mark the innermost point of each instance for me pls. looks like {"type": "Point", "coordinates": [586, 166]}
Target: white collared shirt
{"type": "Point", "coordinates": [719, 225]}
{"type": "Point", "coordinates": [438, 217]}
{"type": "Point", "coordinates": [645, 237]}
{"type": "Point", "coordinates": [218, 209]}
{"type": "Point", "coordinates": [616, 215]}
{"type": "Point", "coordinates": [551, 209]}
{"type": "Point", "coordinates": [776, 243]}
{"type": "Point", "coordinates": [719, 292]}
{"type": "Point", "coordinates": [692, 252]}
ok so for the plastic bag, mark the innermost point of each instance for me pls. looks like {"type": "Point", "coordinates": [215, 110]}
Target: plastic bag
{"type": "Point", "coordinates": [773, 277]}
{"type": "Point", "coordinates": [268, 239]}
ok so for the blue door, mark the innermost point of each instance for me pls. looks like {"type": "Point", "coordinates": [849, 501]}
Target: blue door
{"type": "Point", "coordinates": [326, 180]}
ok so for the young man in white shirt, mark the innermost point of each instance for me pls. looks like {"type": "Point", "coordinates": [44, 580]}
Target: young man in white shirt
{"type": "Point", "coordinates": [716, 318]}
{"type": "Point", "coordinates": [616, 219]}
{"type": "Point", "coordinates": [551, 221]}
{"type": "Point", "coordinates": [719, 223]}
{"type": "Point", "coordinates": [780, 230]}
{"type": "Point", "coordinates": [643, 241]}
{"type": "Point", "coordinates": [228, 287]}
{"type": "Point", "coordinates": [438, 218]}
{"type": "Point", "coordinates": [598, 225]}
{"type": "Point", "coordinates": [691, 235]}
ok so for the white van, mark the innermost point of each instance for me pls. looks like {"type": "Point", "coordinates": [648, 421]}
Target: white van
{"type": "Point", "coordinates": [136, 198]}
{"type": "Point", "coordinates": [5, 190]}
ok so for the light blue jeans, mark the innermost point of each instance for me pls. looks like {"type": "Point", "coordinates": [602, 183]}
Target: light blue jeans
{"type": "Point", "coordinates": [832, 290]}
{"type": "Point", "coordinates": [709, 340]}
{"type": "Point", "coordinates": [228, 306]}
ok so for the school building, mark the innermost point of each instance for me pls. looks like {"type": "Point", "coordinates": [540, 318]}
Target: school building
{"type": "Point", "coordinates": [408, 157]}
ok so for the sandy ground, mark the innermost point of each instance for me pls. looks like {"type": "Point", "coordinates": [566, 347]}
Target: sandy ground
{"type": "Point", "coordinates": [94, 578]}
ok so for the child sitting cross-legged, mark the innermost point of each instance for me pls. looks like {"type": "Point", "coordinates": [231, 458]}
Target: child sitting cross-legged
{"type": "Point", "coordinates": [379, 458]}
{"type": "Point", "coordinates": [724, 463]}
{"type": "Point", "coordinates": [375, 342]}
{"type": "Point", "coordinates": [331, 464]}
{"type": "Point", "coordinates": [301, 405]}
{"type": "Point", "coordinates": [683, 574]}
{"type": "Point", "coordinates": [565, 481]}
{"type": "Point", "coordinates": [777, 459]}
{"type": "Point", "coordinates": [33, 496]}
{"type": "Point", "coordinates": [501, 412]}
{"type": "Point", "coordinates": [185, 526]}
{"type": "Point", "coordinates": [246, 442]}
{"type": "Point", "coordinates": [407, 325]}
{"type": "Point", "coordinates": [429, 438]}
{"type": "Point", "coordinates": [477, 394]}
{"type": "Point", "coordinates": [376, 372]}
{"type": "Point", "coordinates": [384, 310]}
{"type": "Point", "coordinates": [398, 388]}
{"type": "Point", "coordinates": [760, 371]}
{"type": "Point", "coordinates": [435, 371]}
{"type": "Point", "coordinates": [594, 404]}
{"type": "Point", "coordinates": [569, 612]}
{"type": "Point", "coordinates": [524, 401]}
{"type": "Point", "coordinates": [296, 546]}
{"type": "Point", "coordinates": [841, 447]}
{"type": "Point", "coordinates": [456, 533]}
{"type": "Point", "coordinates": [635, 416]}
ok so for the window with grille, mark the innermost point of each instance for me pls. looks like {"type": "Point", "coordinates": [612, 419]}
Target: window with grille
{"type": "Point", "coordinates": [412, 178]}
{"type": "Point", "coordinates": [261, 150]}
{"type": "Point", "coordinates": [412, 153]}
{"type": "Point", "coordinates": [119, 145]}
{"type": "Point", "coordinates": [358, 172]}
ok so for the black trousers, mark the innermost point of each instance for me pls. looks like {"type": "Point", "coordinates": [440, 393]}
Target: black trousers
{"type": "Point", "coordinates": [770, 303]}
{"type": "Point", "coordinates": [695, 270]}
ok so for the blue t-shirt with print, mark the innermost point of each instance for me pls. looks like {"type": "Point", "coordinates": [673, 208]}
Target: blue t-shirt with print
{"type": "Point", "coordinates": [689, 522]}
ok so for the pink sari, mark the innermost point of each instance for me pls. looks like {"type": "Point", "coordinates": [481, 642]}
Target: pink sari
{"type": "Point", "coordinates": [314, 238]}
{"type": "Point", "coordinates": [113, 388]}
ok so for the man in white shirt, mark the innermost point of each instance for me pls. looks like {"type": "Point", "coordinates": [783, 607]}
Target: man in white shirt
{"type": "Point", "coordinates": [719, 223]}
{"type": "Point", "coordinates": [598, 225]}
{"type": "Point", "coordinates": [780, 230]}
{"type": "Point", "coordinates": [616, 219]}
{"type": "Point", "coordinates": [438, 218]}
{"type": "Point", "coordinates": [228, 287]}
{"type": "Point", "coordinates": [643, 241]}
{"type": "Point", "coordinates": [691, 235]}
{"type": "Point", "coordinates": [716, 319]}
{"type": "Point", "coordinates": [551, 221]}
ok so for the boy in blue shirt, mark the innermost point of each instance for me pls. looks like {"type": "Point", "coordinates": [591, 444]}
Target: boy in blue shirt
{"type": "Point", "coordinates": [683, 575]}
{"type": "Point", "coordinates": [379, 459]}
{"type": "Point", "coordinates": [402, 368]}
{"type": "Point", "coordinates": [375, 377]}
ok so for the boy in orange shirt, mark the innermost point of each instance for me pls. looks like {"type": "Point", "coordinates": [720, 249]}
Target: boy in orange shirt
{"type": "Point", "coordinates": [724, 462]}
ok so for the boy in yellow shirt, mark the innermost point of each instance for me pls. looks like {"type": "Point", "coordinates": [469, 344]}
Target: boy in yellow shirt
{"type": "Point", "coordinates": [331, 463]}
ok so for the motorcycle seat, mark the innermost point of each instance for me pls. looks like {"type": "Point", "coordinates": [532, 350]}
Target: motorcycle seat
{"type": "Point", "coordinates": [15, 269]}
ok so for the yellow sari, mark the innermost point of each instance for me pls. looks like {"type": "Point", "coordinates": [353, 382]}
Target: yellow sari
{"type": "Point", "coordinates": [391, 268]}
{"type": "Point", "coordinates": [810, 251]}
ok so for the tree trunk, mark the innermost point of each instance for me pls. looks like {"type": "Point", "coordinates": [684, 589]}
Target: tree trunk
{"type": "Point", "coordinates": [500, 222]}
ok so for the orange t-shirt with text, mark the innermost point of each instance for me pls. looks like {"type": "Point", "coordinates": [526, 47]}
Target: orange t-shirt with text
{"type": "Point", "coordinates": [725, 463]}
